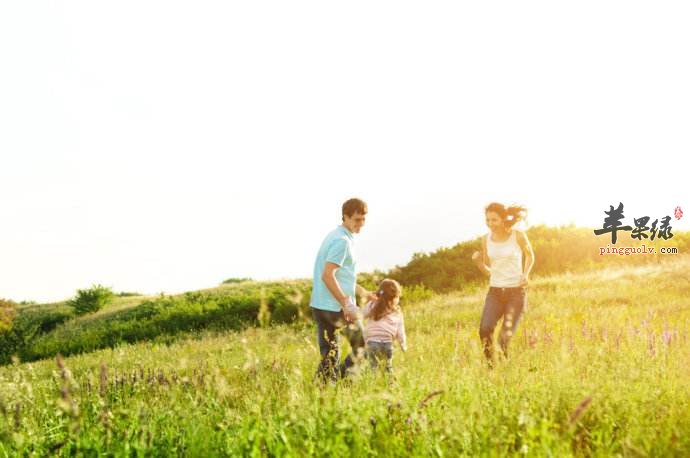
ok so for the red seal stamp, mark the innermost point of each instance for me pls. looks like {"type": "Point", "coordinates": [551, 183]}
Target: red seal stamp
{"type": "Point", "coordinates": [678, 213]}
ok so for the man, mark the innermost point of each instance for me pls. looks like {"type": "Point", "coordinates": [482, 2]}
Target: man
{"type": "Point", "coordinates": [333, 294]}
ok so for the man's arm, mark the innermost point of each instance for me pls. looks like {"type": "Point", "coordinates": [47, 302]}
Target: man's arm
{"type": "Point", "coordinates": [328, 278]}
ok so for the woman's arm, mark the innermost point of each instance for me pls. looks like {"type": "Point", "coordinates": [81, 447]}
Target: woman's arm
{"type": "Point", "coordinates": [528, 253]}
{"type": "Point", "coordinates": [481, 259]}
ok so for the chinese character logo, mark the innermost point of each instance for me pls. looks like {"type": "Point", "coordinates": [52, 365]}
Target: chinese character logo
{"type": "Point", "coordinates": [613, 223]}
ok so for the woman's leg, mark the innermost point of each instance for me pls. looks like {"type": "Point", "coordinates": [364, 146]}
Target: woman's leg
{"type": "Point", "coordinates": [515, 304]}
{"type": "Point", "coordinates": [493, 310]}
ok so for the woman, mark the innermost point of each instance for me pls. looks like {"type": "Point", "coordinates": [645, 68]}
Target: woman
{"type": "Point", "coordinates": [507, 258]}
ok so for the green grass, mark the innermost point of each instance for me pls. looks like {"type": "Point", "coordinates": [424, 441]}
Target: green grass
{"type": "Point", "coordinates": [614, 342]}
{"type": "Point", "coordinates": [40, 332]}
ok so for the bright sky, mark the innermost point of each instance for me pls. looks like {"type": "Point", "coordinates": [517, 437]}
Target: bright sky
{"type": "Point", "coordinates": [165, 146]}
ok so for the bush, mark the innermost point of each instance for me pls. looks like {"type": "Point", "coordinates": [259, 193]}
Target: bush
{"type": "Point", "coordinates": [285, 313]}
{"type": "Point", "coordinates": [167, 317]}
{"type": "Point", "coordinates": [91, 300]}
{"type": "Point", "coordinates": [415, 293]}
{"type": "Point", "coordinates": [231, 281]}
{"type": "Point", "coordinates": [7, 311]}
{"type": "Point", "coordinates": [557, 250]}
{"type": "Point", "coordinates": [28, 326]}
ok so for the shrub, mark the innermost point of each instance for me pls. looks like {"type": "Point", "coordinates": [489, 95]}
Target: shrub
{"type": "Point", "coordinates": [91, 300]}
{"type": "Point", "coordinates": [557, 250]}
{"type": "Point", "coordinates": [28, 326]}
{"type": "Point", "coordinates": [415, 293]}
{"type": "Point", "coordinates": [236, 280]}
{"type": "Point", "coordinates": [7, 311]}
{"type": "Point", "coordinates": [285, 313]}
{"type": "Point", "coordinates": [167, 317]}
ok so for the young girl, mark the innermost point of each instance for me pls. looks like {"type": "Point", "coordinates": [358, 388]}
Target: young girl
{"type": "Point", "coordinates": [501, 258]}
{"type": "Point", "coordinates": [385, 324]}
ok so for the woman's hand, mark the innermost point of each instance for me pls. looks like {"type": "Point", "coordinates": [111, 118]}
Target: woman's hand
{"type": "Point", "coordinates": [524, 279]}
{"type": "Point", "coordinates": [478, 259]}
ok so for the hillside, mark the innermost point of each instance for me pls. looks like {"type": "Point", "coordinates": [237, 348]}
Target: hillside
{"type": "Point", "coordinates": [42, 331]}
{"type": "Point", "coordinates": [599, 366]}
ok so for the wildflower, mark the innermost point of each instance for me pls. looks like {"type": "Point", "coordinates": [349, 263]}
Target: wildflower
{"type": "Point", "coordinates": [579, 410]}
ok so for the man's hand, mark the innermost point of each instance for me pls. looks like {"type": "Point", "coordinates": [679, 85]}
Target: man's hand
{"type": "Point", "coordinates": [350, 311]}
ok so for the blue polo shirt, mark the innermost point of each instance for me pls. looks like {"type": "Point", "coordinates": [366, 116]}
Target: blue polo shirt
{"type": "Point", "coordinates": [336, 248]}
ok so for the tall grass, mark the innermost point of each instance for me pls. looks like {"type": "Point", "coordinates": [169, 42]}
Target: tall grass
{"type": "Point", "coordinates": [599, 367]}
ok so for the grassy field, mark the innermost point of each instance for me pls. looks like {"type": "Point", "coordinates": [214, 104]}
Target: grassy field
{"type": "Point", "coordinates": [599, 367]}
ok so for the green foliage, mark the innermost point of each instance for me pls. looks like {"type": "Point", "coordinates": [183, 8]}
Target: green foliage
{"type": "Point", "coordinates": [92, 299]}
{"type": "Point", "coordinates": [415, 293]}
{"type": "Point", "coordinates": [7, 312]}
{"type": "Point", "coordinates": [371, 280]}
{"type": "Point", "coordinates": [598, 367]}
{"type": "Point", "coordinates": [557, 250]}
{"type": "Point", "coordinates": [169, 317]}
{"type": "Point", "coordinates": [231, 281]}
{"type": "Point", "coordinates": [28, 325]}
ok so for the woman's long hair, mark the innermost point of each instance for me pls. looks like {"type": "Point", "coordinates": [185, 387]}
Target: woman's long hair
{"type": "Point", "coordinates": [510, 215]}
{"type": "Point", "coordinates": [388, 291]}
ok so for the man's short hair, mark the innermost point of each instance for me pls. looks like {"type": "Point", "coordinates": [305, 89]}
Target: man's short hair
{"type": "Point", "coordinates": [352, 206]}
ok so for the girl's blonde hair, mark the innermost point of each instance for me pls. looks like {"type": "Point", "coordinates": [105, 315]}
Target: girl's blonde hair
{"type": "Point", "coordinates": [388, 291]}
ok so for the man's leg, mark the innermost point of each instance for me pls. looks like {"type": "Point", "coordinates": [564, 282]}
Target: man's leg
{"type": "Point", "coordinates": [328, 344]}
{"type": "Point", "coordinates": [355, 336]}
{"type": "Point", "coordinates": [493, 310]}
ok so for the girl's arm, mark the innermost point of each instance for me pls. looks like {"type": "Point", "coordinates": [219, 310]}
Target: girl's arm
{"type": "Point", "coordinates": [367, 308]}
{"type": "Point", "coordinates": [528, 253]}
{"type": "Point", "coordinates": [400, 334]}
{"type": "Point", "coordinates": [364, 293]}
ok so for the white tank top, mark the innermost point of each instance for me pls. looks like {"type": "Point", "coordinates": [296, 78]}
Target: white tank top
{"type": "Point", "coordinates": [506, 262]}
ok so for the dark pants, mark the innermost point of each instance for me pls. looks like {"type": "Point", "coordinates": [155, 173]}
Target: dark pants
{"type": "Point", "coordinates": [508, 303]}
{"type": "Point", "coordinates": [327, 323]}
